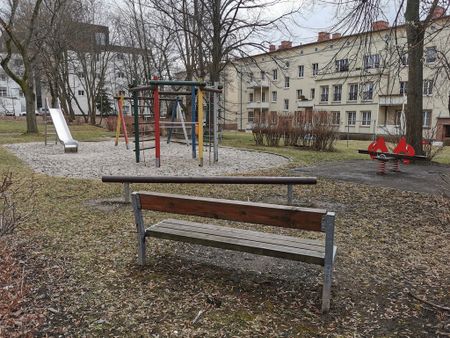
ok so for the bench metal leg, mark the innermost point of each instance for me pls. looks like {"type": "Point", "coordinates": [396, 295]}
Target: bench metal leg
{"type": "Point", "coordinates": [328, 224]}
{"type": "Point", "coordinates": [289, 194]}
{"type": "Point", "coordinates": [126, 192]}
{"type": "Point", "coordinates": [140, 228]}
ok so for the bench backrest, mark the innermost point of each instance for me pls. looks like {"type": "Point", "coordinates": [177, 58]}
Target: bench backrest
{"type": "Point", "coordinates": [249, 212]}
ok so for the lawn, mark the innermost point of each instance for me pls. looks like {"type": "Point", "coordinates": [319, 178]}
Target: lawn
{"type": "Point", "coordinates": [73, 271]}
{"type": "Point", "coordinates": [14, 131]}
{"type": "Point", "coordinates": [344, 150]}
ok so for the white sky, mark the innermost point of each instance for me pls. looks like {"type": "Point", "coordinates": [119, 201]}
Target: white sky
{"type": "Point", "coordinates": [320, 16]}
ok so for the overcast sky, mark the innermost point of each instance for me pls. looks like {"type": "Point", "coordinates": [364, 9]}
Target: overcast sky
{"type": "Point", "coordinates": [321, 16]}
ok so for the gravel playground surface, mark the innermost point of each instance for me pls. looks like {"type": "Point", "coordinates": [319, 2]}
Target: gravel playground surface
{"type": "Point", "coordinates": [95, 159]}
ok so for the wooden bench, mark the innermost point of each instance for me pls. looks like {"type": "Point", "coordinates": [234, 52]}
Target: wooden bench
{"type": "Point", "coordinates": [261, 243]}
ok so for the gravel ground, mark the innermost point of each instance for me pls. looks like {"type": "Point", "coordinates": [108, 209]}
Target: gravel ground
{"type": "Point", "coordinates": [95, 159]}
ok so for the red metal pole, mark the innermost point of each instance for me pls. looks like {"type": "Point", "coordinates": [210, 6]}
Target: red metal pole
{"type": "Point", "coordinates": [156, 113]}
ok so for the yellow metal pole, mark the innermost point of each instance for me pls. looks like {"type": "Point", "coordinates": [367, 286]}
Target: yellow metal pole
{"type": "Point", "coordinates": [200, 124]}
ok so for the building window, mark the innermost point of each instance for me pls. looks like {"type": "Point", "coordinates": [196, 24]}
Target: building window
{"type": "Point", "coordinates": [100, 38]}
{"type": "Point", "coordinates": [263, 75]}
{"type": "Point", "coordinates": [404, 59]}
{"type": "Point", "coordinates": [250, 97]}
{"type": "Point", "coordinates": [336, 117]}
{"type": "Point", "coordinates": [20, 92]}
{"type": "Point", "coordinates": [18, 62]}
{"type": "Point", "coordinates": [430, 54]}
{"type": "Point", "coordinates": [81, 93]}
{"type": "Point", "coordinates": [286, 104]}
{"type": "Point", "coordinates": [324, 93]}
{"type": "Point", "coordinates": [353, 92]}
{"type": "Point", "coordinates": [367, 91]}
{"type": "Point", "coordinates": [337, 93]}
{"type": "Point", "coordinates": [427, 87]}
{"type": "Point", "coordinates": [351, 118]}
{"type": "Point", "coordinates": [120, 75]}
{"type": "Point", "coordinates": [313, 93]}
{"type": "Point", "coordinates": [263, 97]}
{"type": "Point", "coordinates": [275, 74]}
{"type": "Point", "coordinates": [286, 82]}
{"type": "Point", "coordinates": [403, 87]}
{"type": "Point", "coordinates": [274, 96]}
{"type": "Point", "coordinates": [299, 94]}
{"type": "Point", "coordinates": [371, 61]}
{"type": "Point", "coordinates": [119, 56]}
{"type": "Point", "coordinates": [3, 92]}
{"type": "Point", "coordinates": [273, 117]}
{"type": "Point", "coordinates": [366, 118]}
{"type": "Point", "coordinates": [250, 77]}
{"type": "Point", "coordinates": [2, 77]}
{"type": "Point", "coordinates": [315, 68]}
{"type": "Point", "coordinates": [301, 71]}
{"type": "Point", "coordinates": [426, 118]}
{"type": "Point", "coordinates": [250, 115]}
{"type": "Point", "coordinates": [341, 65]}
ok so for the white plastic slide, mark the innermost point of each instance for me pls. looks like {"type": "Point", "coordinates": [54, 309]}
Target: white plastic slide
{"type": "Point", "coordinates": [62, 130]}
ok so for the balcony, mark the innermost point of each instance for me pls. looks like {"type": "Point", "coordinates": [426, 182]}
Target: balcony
{"type": "Point", "coordinates": [258, 84]}
{"type": "Point", "coordinates": [305, 103]}
{"type": "Point", "coordinates": [257, 105]}
{"type": "Point", "coordinates": [392, 100]}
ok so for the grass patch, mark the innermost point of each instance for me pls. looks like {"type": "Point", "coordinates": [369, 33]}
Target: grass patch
{"type": "Point", "coordinates": [14, 131]}
{"type": "Point", "coordinates": [344, 150]}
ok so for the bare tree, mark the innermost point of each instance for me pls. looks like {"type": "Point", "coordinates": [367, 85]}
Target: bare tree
{"type": "Point", "coordinates": [19, 29]}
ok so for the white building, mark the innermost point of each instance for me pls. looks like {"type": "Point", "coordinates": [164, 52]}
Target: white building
{"type": "Point", "coordinates": [360, 79]}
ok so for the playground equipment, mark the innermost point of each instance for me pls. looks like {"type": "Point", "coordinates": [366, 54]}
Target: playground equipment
{"type": "Point", "coordinates": [62, 130]}
{"type": "Point", "coordinates": [403, 152]}
{"type": "Point", "coordinates": [197, 101]}
{"type": "Point", "coordinates": [121, 122]}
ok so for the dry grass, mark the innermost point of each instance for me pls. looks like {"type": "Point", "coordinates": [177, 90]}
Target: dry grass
{"type": "Point", "coordinates": [81, 254]}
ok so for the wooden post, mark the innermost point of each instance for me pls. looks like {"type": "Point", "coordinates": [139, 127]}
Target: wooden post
{"type": "Point", "coordinates": [328, 226]}
{"type": "Point", "coordinates": [200, 126]}
{"type": "Point", "coordinates": [139, 227]}
{"type": "Point", "coordinates": [156, 116]}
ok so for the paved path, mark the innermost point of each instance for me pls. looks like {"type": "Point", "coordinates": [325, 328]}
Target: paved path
{"type": "Point", "coordinates": [427, 178]}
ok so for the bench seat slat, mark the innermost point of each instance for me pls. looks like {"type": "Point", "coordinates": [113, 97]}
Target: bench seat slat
{"type": "Point", "coordinates": [270, 238]}
{"type": "Point", "coordinates": [221, 239]}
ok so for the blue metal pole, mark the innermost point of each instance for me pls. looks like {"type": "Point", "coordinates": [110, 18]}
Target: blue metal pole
{"type": "Point", "coordinates": [194, 155]}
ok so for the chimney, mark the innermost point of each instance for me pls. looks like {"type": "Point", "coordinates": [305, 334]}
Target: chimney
{"type": "Point", "coordinates": [336, 35]}
{"type": "Point", "coordinates": [438, 12]}
{"type": "Point", "coordinates": [272, 48]}
{"type": "Point", "coordinates": [380, 25]}
{"type": "Point", "coordinates": [285, 45]}
{"type": "Point", "coordinates": [323, 36]}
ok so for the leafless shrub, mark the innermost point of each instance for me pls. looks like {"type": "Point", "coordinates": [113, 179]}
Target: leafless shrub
{"type": "Point", "coordinates": [272, 135]}
{"type": "Point", "coordinates": [314, 130]}
{"type": "Point", "coordinates": [258, 134]}
{"type": "Point", "coordinates": [324, 133]}
{"type": "Point", "coordinates": [11, 190]}
{"type": "Point", "coordinates": [429, 150]}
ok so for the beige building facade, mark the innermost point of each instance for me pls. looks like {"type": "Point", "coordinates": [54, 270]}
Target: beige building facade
{"type": "Point", "coordinates": [362, 80]}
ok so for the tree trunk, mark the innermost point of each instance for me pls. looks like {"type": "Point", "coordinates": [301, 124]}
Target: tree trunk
{"type": "Point", "coordinates": [414, 108]}
{"type": "Point", "coordinates": [31, 113]}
